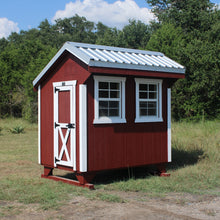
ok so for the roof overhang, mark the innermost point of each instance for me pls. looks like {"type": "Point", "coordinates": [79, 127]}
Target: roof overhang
{"type": "Point", "coordinates": [98, 56]}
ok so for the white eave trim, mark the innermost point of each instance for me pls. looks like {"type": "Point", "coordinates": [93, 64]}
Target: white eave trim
{"type": "Point", "coordinates": [66, 47]}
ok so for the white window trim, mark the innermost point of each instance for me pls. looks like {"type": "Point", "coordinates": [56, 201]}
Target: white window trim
{"type": "Point", "coordinates": [108, 120]}
{"type": "Point", "coordinates": [148, 118]}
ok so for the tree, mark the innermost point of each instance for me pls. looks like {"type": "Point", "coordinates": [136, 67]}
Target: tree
{"type": "Point", "coordinates": [136, 34]}
{"type": "Point", "coordinates": [167, 39]}
{"type": "Point", "coordinates": [78, 28]}
{"type": "Point", "coordinates": [191, 15]}
{"type": "Point", "coordinates": [195, 25]}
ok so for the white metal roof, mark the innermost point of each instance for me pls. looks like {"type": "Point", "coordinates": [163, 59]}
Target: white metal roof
{"type": "Point", "coordinates": [116, 57]}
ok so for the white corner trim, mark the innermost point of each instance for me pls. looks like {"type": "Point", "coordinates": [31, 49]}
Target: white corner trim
{"type": "Point", "coordinates": [39, 124]}
{"type": "Point", "coordinates": [82, 128]}
{"type": "Point", "coordinates": [169, 124]}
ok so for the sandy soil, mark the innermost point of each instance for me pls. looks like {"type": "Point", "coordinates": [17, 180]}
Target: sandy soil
{"type": "Point", "coordinates": [136, 206]}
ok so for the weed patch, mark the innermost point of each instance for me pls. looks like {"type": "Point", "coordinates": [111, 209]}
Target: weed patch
{"type": "Point", "coordinates": [17, 129]}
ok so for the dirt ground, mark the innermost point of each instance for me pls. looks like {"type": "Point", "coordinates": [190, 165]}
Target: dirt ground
{"type": "Point", "coordinates": [136, 206]}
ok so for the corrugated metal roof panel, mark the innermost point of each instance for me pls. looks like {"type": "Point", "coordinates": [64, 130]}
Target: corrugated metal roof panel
{"type": "Point", "coordinates": [116, 57]}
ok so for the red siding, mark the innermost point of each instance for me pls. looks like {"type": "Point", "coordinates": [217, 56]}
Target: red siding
{"type": "Point", "coordinates": [109, 145]}
{"type": "Point", "coordinates": [124, 145]}
{"type": "Point", "coordinates": [67, 68]}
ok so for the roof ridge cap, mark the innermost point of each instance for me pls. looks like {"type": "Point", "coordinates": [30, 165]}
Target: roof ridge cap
{"type": "Point", "coordinates": [121, 49]}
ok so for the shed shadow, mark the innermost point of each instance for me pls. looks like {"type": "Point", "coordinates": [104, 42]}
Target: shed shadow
{"type": "Point", "coordinates": [180, 158]}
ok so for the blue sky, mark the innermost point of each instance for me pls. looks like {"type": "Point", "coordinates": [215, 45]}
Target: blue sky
{"type": "Point", "coordinates": [16, 15]}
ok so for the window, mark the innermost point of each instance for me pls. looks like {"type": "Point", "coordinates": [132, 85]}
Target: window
{"type": "Point", "coordinates": [109, 99]}
{"type": "Point", "coordinates": [148, 100]}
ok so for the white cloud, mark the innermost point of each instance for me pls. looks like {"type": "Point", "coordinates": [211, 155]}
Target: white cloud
{"type": "Point", "coordinates": [116, 14]}
{"type": "Point", "coordinates": [7, 27]}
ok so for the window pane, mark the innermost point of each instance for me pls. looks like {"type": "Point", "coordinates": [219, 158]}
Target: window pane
{"type": "Point", "coordinates": [143, 104]}
{"type": "Point", "coordinates": [113, 104]}
{"type": "Point", "coordinates": [152, 104]}
{"type": "Point", "coordinates": [143, 112]}
{"type": "Point", "coordinates": [143, 87]}
{"type": "Point", "coordinates": [152, 87]}
{"type": "Point", "coordinates": [152, 112]}
{"type": "Point", "coordinates": [114, 86]}
{"type": "Point", "coordinates": [103, 112]}
{"type": "Point", "coordinates": [152, 95]}
{"type": "Point", "coordinates": [103, 85]}
{"type": "Point", "coordinates": [103, 104]}
{"type": "Point", "coordinates": [143, 95]}
{"type": "Point", "coordinates": [103, 94]}
{"type": "Point", "coordinates": [113, 112]}
{"type": "Point", "coordinates": [114, 94]}
{"type": "Point", "coordinates": [152, 107]}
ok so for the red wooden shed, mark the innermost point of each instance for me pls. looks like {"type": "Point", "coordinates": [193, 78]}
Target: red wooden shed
{"type": "Point", "coordinates": [103, 108]}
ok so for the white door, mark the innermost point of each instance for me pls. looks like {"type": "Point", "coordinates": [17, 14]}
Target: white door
{"type": "Point", "coordinates": [64, 124]}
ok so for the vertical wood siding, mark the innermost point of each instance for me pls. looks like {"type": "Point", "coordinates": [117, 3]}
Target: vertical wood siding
{"type": "Point", "coordinates": [125, 145]}
{"type": "Point", "coordinates": [68, 68]}
{"type": "Point", "coordinates": [109, 145]}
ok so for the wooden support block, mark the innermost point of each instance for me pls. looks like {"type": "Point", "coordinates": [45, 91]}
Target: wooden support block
{"type": "Point", "coordinates": [162, 170]}
{"type": "Point", "coordinates": [71, 182]}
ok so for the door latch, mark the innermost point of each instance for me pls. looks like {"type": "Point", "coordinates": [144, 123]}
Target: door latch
{"type": "Point", "coordinates": [56, 160]}
{"type": "Point", "coordinates": [70, 125]}
{"type": "Point", "coordinates": [56, 125]}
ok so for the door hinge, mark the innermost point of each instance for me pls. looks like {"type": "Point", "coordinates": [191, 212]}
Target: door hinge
{"type": "Point", "coordinates": [56, 90]}
{"type": "Point", "coordinates": [56, 125]}
{"type": "Point", "coordinates": [56, 160]}
{"type": "Point", "coordinates": [70, 125]}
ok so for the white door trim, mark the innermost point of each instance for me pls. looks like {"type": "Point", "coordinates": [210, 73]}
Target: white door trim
{"type": "Point", "coordinates": [65, 86]}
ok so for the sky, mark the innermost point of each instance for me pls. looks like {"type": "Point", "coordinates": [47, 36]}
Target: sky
{"type": "Point", "coordinates": [17, 15]}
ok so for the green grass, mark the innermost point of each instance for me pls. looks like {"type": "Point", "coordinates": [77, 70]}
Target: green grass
{"type": "Point", "coordinates": [20, 173]}
{"type": "Point", "coordinates": [195, 168]}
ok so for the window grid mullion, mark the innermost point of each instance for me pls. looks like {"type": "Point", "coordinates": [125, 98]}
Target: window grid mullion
{"type": "Point", "coordinates": [109, 99]}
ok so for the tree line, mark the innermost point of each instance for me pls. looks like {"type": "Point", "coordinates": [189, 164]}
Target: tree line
{"type": "Point", "coordinates": [187, 31]}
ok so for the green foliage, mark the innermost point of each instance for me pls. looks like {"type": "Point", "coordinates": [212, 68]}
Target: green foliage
{"type": "Point", "coordinates": [187, 31]}
{"type": "Point", "coordinates": [167, 39]}
{"type": "Point", "coordinates": [190, 34]}
{"type": "Point", "coordinates": [17, 129]}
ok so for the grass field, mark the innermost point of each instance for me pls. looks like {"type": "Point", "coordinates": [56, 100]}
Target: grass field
{"type": "Point", "coordinates": [195, 168]}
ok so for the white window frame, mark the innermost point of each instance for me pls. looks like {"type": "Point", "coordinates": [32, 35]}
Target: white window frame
{"type": "Point", "coordinates": [107, 120]}
{"type": "Point", "coordinates": [158, 117]}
